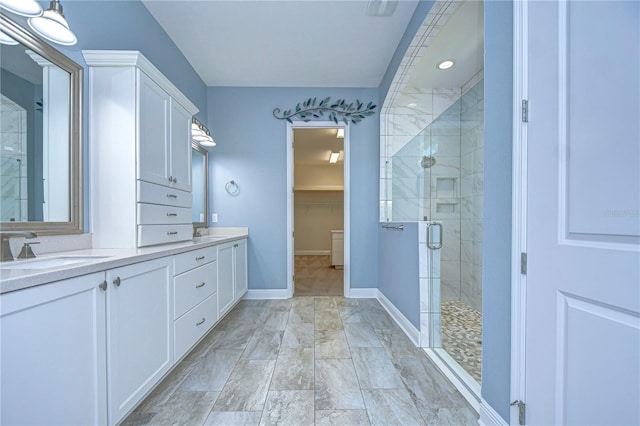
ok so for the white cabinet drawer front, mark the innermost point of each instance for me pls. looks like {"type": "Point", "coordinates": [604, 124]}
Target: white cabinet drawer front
{"type": "Point", "coordinates": [158, 194]}
{"type": "Point", "coordinates": [193, 325]}
{"type": "Point", "coordinates": [154, 214]}
{"type": "Point", "coordinates": [149, 235]}
{"type": "Point", "coordinates": [193, 287]}
{"type": "Point", "coordinates": [193, 259]}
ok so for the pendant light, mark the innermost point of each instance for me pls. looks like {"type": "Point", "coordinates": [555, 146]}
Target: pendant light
{"type": "Point", "coordinates": [53, 26]}
{"type": "Point", "coordinates": [29, 8]}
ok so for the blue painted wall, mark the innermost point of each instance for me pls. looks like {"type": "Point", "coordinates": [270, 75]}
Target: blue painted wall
{"type": "Point", "coordinates": [399, 270]}
{"type": "Point", "coordinates": [496, 247]}
{"type": "Point", "coordinates": [252, 151]}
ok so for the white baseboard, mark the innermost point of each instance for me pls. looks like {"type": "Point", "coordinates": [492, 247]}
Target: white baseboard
{"type": "Point", "coordinates": [363, 293]}
{"type": "Point", "coordinates": [409, 329]}
{"type": "Point", "coordinates": [489, 416]}
{"type": "Point", "coordinates": [313, 253]}
{"type": "Point", "coordinates": [276, 293]}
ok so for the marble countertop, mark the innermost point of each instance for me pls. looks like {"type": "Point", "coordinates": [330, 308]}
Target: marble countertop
{"type": "Point", "coordinates": [18, 279]}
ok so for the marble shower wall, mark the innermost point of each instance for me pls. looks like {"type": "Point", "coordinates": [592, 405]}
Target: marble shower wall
{"type": "Point", "coordinates": [13, 155]}
{"type": "Point", "coordinates": [472, 195]}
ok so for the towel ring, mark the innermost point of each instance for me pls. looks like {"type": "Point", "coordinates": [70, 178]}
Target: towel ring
{"type": "Point", "coordinates": [232, 188]}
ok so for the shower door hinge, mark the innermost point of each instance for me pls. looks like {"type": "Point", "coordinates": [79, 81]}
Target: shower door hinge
{"type": "Point", "coordinates": [525, 111]}
{"type": "Point", "coordinates": [523, 263]}
{"type": "Point", "coordinates": [521, 411]}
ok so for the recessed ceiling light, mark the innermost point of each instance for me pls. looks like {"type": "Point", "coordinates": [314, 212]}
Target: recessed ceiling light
{"type": "Point", "coordinates": [446, 64]}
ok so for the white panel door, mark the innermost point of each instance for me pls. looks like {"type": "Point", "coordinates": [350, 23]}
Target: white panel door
{"type": "Point", "coordinates": [583, 203]}
{"type": "Point", "coordinates": [225, 278]}
{"type": "Point", "coordinates": [180, 147]}
{"type": "Point", "coordinates": [53, 355]}
{"type": "Point", "coordinates": [153, 132]}
{"type": "Point", "coordinates": [240, 268]}
{"type": "Point", "coordinates": [139, 331]}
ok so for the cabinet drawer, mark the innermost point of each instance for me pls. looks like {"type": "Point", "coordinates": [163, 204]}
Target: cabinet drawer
{"type": "Point", "coordinates": [191, 259]}
{"type": "Point", "coordinates": [193, 287]}
{"type": "Point", "coordinates": [193, 325]}
{"type": "Point", "coordinates": [155, 214]}
{"type": "Point", "coordinates": [149, 235]}
{"type": "Point", "coordinates": [158, 194]}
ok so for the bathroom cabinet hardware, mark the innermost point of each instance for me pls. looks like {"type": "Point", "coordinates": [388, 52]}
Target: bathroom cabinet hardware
{"type": "Point", "coordinates": [199, 257]}
{"type": "Point", "coordinates": [103, 285]}
{"type": "Point", "coordinates": [170, 178]}
{"type": "Point", "coordinates": [235, 245]}
{"type": "Point", "coordinates": [116, 282]}
{"type": "Point", "coordinates": [201, 321]}
{"type": "Point", "coordinates": [172, 196]}
{"type": "Point", "coordinates": [175, 180]}
{"type": "Point", "coordinates": [200, 285]}
{"type": "Point", "coordinates": [172, 214]}
{"type": "Point", "coordinates": [172, 233]}
{"type": "Point", "coordinates": [396, 227]}
{"type": "Point", "coordinates": [433, 245]}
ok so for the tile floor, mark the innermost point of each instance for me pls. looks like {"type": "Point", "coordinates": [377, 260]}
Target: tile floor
{"type": "Point", "coordinates": [462, 336]}
{"type": "Point", "coordinates": [316, 277]}
{"type": "Point", "coordinates": [303, 361]}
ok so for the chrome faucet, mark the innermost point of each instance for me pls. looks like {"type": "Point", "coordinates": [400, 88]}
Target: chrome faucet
{"type": "Point", "coordinates": [5, 249]}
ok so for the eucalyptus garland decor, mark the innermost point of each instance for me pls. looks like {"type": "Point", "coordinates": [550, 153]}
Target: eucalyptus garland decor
{"type": "Point", "coordinates": [336, 111]}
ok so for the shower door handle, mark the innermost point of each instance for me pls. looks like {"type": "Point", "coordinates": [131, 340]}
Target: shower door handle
{"type": "Point", "coordinates": [434, 245]}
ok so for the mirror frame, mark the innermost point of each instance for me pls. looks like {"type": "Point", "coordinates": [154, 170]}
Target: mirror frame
{"type": "Point", "coordinates": [75, 225]}
{"type": "Point", "coordinates": [195, 145]}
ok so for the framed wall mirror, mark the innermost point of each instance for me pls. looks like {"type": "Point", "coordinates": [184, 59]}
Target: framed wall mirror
{"type": "Point", "coordinates": [40, 135]}
{"type": "Point", "coordinates": [199, 168]}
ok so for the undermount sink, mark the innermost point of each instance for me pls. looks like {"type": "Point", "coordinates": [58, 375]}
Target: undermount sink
{"type": "Point", "coordinates": [49, 262]}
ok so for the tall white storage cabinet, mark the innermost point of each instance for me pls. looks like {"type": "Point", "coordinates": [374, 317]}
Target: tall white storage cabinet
{"type": "Point", "coordinates": [140, 150]}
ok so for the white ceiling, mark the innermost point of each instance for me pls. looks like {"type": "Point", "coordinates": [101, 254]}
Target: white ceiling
{"type": "Point", "coordinates": [272, 43]}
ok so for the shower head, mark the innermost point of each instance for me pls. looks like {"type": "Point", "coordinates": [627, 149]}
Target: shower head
{"type": "Point", "coordinates": [427, 161]}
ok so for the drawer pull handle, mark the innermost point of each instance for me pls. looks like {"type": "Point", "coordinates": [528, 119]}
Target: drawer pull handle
{"type": "Point", "coordinates": [103, 285]}
{"type": "Point", "coordinates": [199, 257]}
{"type": "Point", "coordinates": [172, 214]}
{"type": "Point", "coordinates": [116, 282]}
{"type": "Point", "coordinates": [172, 232]}
{"type": "Point", "coordinates": [201, 321]}
{"type": "Point", "coordinates": [172, 196]}
{"type": "Point", "coordinates": [200, 285]}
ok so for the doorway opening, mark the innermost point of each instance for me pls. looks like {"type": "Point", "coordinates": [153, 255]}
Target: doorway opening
{"type": "Point", "coordinates": [318, 255]}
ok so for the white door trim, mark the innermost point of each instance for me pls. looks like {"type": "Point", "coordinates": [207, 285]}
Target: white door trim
{"type": "Point", "coordinates": [346, 195]}
{"type": "Point", "coordinates": [519, 207]}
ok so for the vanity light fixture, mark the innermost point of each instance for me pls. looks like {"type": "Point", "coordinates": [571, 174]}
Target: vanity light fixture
{"type": "Point", "coordinates": [334, 157]}
{"type": "Point", "coordinates": [53, 26]}
{"type": "Point", "coordinates": [340, 133]}
{"type": "Point", "coordinates": [446, 64]}
{"type": "Point", "coordinates": [5, 39]}
{"type": "Point", "coordinates": [200, 133]}
{"type": "Point", "coordinates": [29, 8]}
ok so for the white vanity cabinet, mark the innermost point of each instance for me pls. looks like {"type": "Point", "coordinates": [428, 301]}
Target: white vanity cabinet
{"type": "Point", "coordinates": [140, 145]}
{"type": "Point", "coordinates": [139, 332]}
{"type": "Point", "coordinates": [53, 353]}
{"type": "Point", "coordinates": [232, 274]}
{"type": "Point", "coordinates": [195, 297]}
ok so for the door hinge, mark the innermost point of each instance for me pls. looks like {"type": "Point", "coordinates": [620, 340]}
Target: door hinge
{"type": "Point", "coordinates": [293, 234]}
{"type": "Point", "coordinates": [525, 111]}
{"type": "Point", "coordinates": [523, 263]}
{"type": "Point", "coordinates": [521, 411]}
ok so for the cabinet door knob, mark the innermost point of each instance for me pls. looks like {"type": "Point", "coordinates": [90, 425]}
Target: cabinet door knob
{"type": "Point", "coordinates": [117, 282]}
{"type": "Point", "coordinates": [175, 180]}
{"type": "Point", "coordinates": [200, 285]}
{"type": "Point", "coordinates": [170, 178]}
{"type": "Point", "coordinates": [103, 285]}
{"type": "Point", "coordinates": [235, 245]}
{"type": "Point", "coordinates": [201, 321]}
